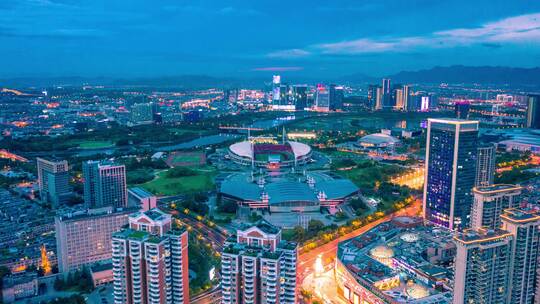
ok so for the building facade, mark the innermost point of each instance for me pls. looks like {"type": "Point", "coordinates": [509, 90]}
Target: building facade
{"type": "Point", "coordinates": [533, 111]}
{"type": "Point", "coordinates": [84, 238]}
{"type": "Point", "coordinates": [451, 151]}
{"type": "Point", "coordinates": [104, 185]}
{"type": "Point", "coordinates": [482, 266]}
{"type": "Point", "coordinates": [53, 180]}
{"type": "Point", "coordinates": [258, 267]}
{"type": "Point", "coordinates": [523, 224]}
{"type": "Point", "coordinates": [485, 165]}
{"type": "Point", "coordinates": [138, 197]}
{"type": "Point", "coordinates": [150, 261]}
{"type": "Point", "coordinates": [490, 202]}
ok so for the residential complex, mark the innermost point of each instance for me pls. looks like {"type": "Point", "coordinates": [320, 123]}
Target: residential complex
{"type": "Point", "coordinates": [257, 267]}
{"type": "Point", "coordinates": [485, 165]}
{"type": "Point", "coordinates": [451, 151]}
{"type": "Point", "coordinates": [150, 260]}
{"type": "Point", "coordinates": [104, 184]}
{"type": "Point", "coordinates": [524, 225]}
{"type": "Point", "coordinates": [482, 266]}
{"type": "Point", "coordinates": [490, 202]}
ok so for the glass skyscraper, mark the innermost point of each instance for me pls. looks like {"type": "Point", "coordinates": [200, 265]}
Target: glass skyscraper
{"type": "Point", "coordinates": [451, 151]}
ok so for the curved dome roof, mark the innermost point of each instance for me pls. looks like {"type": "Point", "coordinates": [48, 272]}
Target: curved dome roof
{"type": "Point", "coordinates": [243, 148]}
{"type": "Point", "coordinates": [382, 252]}
{"type": "Point", "coordinates": [378, 139]}
{"type": "Point", "coordinates": [299, 149]}
{"type": "Point", "coordinates": [417, 291]}
{"type": "Point", "coordinates": [409, 237]}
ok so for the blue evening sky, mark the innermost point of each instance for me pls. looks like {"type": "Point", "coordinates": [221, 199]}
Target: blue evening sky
{"type": "Point", "coordinates": [134, 38]}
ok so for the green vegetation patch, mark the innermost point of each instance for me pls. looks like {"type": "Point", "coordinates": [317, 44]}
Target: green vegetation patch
{"type": "Point", "coordinates": [202, 179]}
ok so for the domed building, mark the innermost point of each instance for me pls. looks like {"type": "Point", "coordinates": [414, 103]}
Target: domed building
{"type": "Point", "coordinates": [377, 141]}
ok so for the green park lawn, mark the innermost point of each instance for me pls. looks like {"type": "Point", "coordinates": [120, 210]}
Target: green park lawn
{"type": "Point", "coordinates": [87, 144]}
{"type": "Point", "coordinates": [164, 185]}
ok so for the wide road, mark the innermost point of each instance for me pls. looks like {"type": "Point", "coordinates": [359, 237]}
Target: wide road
{"type": "Point", "coordinates": [328, 251]}
{"type": "Point", "coordinates": [212, 296]}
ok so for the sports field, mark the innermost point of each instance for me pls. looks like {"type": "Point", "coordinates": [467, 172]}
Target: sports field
{"type": "Point", "coordinates": [179, 159]}
{"type": "Point", "coordinates": [164, 185]}
{"type": "Point", "coordinates": [98, 144]}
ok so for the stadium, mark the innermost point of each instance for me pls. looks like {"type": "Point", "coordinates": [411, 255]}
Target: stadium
{"type": "Point", "coordinates": [270, 154]}
{"type": "Point", "coordinates": [287, 193]}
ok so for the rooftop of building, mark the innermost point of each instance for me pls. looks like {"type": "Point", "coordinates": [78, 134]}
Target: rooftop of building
{"type": "Point", "coordinates": [379, 139]}
{"type": "Point", "coordinates": [452, 120]}
{"type": "Point", "coordinates": [477, 236]}
{"type": "Point", "coordinates": [521, 215]}
{"type": "Point", "coordinates": [154, 214]}
{"type": "Point", "coordinates": [384, 257]}
{"type": "Point", "coordinates": [141, 192]}
{"type": "Point", "coordinates": [70, 215]}
{"type": "Point", "coordinates": [285, 188]}
{"type": "Point", "coordinates": [496, 188]}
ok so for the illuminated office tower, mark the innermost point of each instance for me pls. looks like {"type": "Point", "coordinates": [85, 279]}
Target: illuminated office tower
{"type": "Point", "coordinates": [84, 238]}
{"type": "Point", "coordinates": [322, 98]}
{"type": "Point", "coordinates": [523, 224]}
{"type": "Point", "coordinates": [485, 165]}
{"type": "Point", "coordinates": [299, 97]}
{"type": "Point", "coordinates": [450, 171]}
{"type": "Point", "coordinates": [482, 266]}
{"type": "Point", "coordinates": [104, 184]}
{"type": "Point", "coordinates": [150, 260]}
{"type": "Point", "coordinates": [53, 180]}
{"type": "Point", "coordinates": [276, 87]}
{"type": "Point", "coordinates": [257, 267]}
{"type": "Point", "coordinates": [399, 98]}
{"type": "Point", "coordinates": [379, 99]}
{"type": "Point", "coordinates": [388, 101]}
{"type": "Point", "coordinates": [406, 95]}
{"type": "Point", "coordinates": [372, 97]}
{"type": "Point", "coordinates": [490, 202]}
{"type": "Point", "coordinates": [533, 111]}
{"type": "Point", "coordinates": [336, 98]}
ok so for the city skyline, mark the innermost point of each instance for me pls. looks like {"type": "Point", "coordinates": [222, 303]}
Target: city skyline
{"type": "Point", "coordinates": [94, 39]}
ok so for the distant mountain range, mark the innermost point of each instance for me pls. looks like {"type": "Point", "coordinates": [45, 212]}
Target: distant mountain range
{"type": "Point", "coordinates": [469, 75]}
{"type": "Point", "coordinates": [451, 74]}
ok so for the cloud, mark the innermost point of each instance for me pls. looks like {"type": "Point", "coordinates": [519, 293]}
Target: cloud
{"type": "Point", "coordinates": [278, 69]}
{"type": "Point", "coordinates": [292, 53]}
{"type": "Point", "coordinates": [512, 30]}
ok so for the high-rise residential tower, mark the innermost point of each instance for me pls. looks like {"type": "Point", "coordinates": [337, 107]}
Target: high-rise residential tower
{"type": "Point", "coordinates": [524, 225]}
{"type": "Point", "coordinates": [533, 111]}
{"type": "Point", "coordinates": [258, 267]}
{"type": "Point", "coordinates": [490, 202]}
{"type": "Point", "coordinates": [450, 171]}
{"type": "Point", "coordinates": [485, 165]}
{"type": "Point", "coordinates": [150, 260]}
{"type": "Point", "coordinates": [482, 266]}
{"type": "Point", "coordinates": [53, 180]}
{"type": "Point", "coordinates": [104, 184]}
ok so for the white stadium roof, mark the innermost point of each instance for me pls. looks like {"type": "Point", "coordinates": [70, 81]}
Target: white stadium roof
{"type": "Point", "coordinates": [245, 149]}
